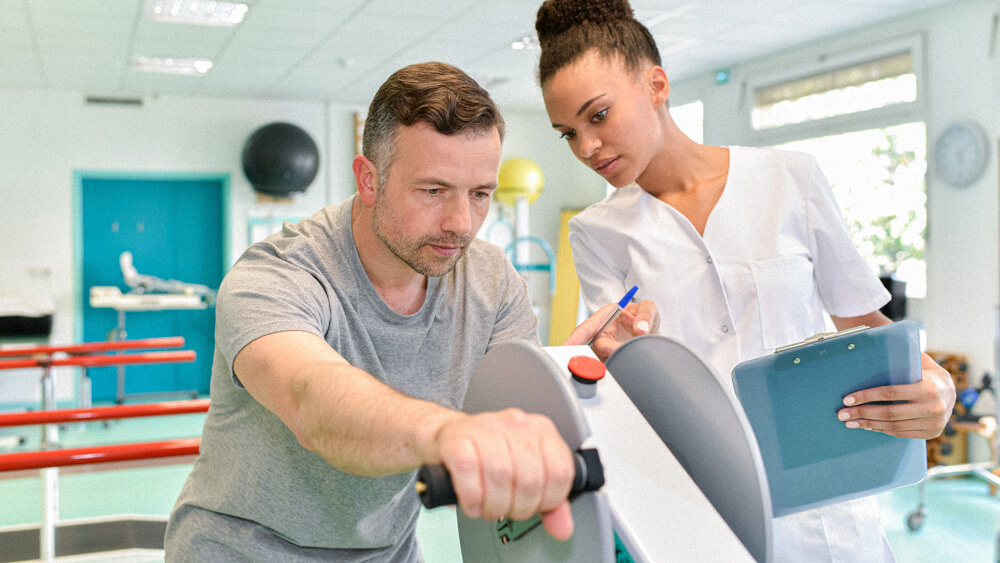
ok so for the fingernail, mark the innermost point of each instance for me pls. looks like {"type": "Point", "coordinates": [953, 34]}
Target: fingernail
{"type": "Point", "coordinates": [643, 326]}
{"type": "Point", "coordinates": [853, 424]}
{"type": "Point", "coordinates": [843, 415]}
{"type": "Point", "coordinates": [849, 400]}
{"type": "Point", "coordinates": [473, 512]}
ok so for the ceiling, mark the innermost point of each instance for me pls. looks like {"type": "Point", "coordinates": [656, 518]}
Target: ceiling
{"type": "Point", "coordinates": [342, 50]}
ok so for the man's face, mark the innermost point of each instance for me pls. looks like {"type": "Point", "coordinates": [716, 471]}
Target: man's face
{"type": "Point", "coordinates": [436, 196]}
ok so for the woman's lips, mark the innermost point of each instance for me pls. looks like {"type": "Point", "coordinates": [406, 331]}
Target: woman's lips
{"type": "Point", "coordinates": [606, 167]}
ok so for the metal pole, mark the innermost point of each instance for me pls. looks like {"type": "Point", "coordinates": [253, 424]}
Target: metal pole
{"type": "Point", "coordinates": [996, 384]}
{"type": "Point", "coordinates": [63, 416]}
{"type": "Point", "coordinates": [49, 476]}
{"type": "Point", "coordinates": [521, 229]}
{"type": "Point", "coordinates": [121, 335]}
{"type": "Point", "coordinates": [21, 461]}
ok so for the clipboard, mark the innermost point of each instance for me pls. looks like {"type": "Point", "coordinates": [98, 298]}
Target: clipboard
{"type": "Point", "coordinates": [791, 398]}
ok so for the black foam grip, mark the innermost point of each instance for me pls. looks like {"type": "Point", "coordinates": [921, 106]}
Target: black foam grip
{"type": "Point", "coordinates": [436, 489]}
{"type": "Point", "coordinates": [595, 470]}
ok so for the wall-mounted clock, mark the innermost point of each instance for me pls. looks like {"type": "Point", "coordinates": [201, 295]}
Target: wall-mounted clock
{"type": "Point", "coordinates": [961, 153]}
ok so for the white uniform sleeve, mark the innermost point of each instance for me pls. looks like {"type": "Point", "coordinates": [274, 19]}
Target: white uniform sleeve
{"type": "Point", "coordinates": [601, 281]}
{"type": "Point", "coordinates": [846, 284]}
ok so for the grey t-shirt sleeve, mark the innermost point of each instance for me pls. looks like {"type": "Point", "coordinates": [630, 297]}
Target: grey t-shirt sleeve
{"type": "Point", "coordinates": [266, 293]}
{"type": "Point", "coordinates": [515, 319]}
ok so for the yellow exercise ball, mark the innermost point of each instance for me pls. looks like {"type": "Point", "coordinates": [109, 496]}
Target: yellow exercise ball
{"type": "Point", "coordinates": [519, 177]}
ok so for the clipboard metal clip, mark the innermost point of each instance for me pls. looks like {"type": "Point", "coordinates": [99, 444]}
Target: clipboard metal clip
{"type": "Point", "coordinates": [822, 336]}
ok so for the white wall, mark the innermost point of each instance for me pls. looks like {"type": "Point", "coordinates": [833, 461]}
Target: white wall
{"type": "Point", "coordinates": [962, 82]}
{"type": "Point", "coordinates": [46, 136]}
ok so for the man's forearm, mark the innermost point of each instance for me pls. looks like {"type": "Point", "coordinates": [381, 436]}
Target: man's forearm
{"type": "Point", "coordinates": [355, 422]}
{"type": "Point", "coordinates": [362, 426]}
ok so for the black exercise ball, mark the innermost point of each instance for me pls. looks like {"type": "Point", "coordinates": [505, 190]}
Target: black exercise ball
{"type": "Point", "coordinates": [280, 158]}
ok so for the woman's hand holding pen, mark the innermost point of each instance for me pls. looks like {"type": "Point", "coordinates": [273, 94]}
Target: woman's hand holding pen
{"type": "Point", "coordinates": [635, 319]}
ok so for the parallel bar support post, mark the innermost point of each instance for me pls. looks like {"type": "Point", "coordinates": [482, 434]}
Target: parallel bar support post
{"type": "Point", "coordinates": [120, 335]}
{"type": "Point", "coordinates": [50, 513]}
{"type": "Point", "coordinates": [49, 476]}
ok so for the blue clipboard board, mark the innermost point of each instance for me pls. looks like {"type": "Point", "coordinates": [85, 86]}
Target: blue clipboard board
{"type": "Point", "coordinates": [791, 399]}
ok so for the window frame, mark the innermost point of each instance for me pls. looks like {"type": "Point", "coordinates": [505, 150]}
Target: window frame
{"type": "Point", "coordinates": [819, 62]}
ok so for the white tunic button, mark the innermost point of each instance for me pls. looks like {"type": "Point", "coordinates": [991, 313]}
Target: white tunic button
{"type": "Point", "coordinates": [709, 259]}
{"type": "Point", "coordinates": [725, 328]}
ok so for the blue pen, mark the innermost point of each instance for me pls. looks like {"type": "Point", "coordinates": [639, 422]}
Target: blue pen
{"type": "Point", "coordinates": [621, 306]}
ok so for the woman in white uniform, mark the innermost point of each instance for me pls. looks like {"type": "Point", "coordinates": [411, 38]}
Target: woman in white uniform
{"type": "Point", "coordinates": [741, 249]}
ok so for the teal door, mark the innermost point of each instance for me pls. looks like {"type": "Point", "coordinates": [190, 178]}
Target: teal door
{"type": "Point", "coordinates": [174, 230]}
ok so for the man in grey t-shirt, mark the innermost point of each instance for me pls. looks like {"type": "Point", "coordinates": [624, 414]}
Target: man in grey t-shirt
{"type": "Point", "coordinates": [344, 346]}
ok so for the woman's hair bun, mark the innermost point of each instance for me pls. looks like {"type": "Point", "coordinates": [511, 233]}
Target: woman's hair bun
{"type": "Point", "coordinates": [558, 16]}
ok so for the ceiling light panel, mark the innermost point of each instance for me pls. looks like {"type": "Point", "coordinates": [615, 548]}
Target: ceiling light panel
{"type": "Point", "coordinates": [171, 65]}
{"type": "Point", "coordinates": [196, 12]}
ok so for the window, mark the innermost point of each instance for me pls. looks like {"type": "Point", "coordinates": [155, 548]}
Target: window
{"type": "Point", "coordinates": [859, 87]}
{"type": "Point", "coordinates": [859, 112]}
{"type": "Point", "coordinates": [877, 176]}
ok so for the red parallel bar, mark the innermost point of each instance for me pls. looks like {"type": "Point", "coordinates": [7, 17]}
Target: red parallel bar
{"type": "Point", "coordinates": [103, 413]}
{"type": "Point", "coordinates": [93, 347]}
{"type": "Point", "coordinates": [98, 454]}
{"type": "Point", "coordinates": [104, 360]}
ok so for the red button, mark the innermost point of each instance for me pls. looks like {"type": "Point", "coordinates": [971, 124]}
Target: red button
{"type": "Point", "coordinates": [586, 369]}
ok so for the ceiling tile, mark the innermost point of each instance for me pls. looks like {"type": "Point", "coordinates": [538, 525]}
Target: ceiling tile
{"type": "Point", "coordinates": [148, 82]}
{"type": "Point", "coordinates": [87, 8]}
{"type": "Point", "coordinates": [285, 60]}
{"type": "Point", "coordinates": [246, 75]}
{"type": "Point", "coordinates": [266, 39]}
{"type": "Point", "coordinates": [322, 5]}
{"type": "Point", "coordinates": [81, 72]}
{"type": "Point", "coordinates": [181, 41]}
{"type": "Point", "coordinates": [15, 42]}
{"type": "Point", "coordinates": [87, 24]}
{"type": "Point", "coordinates": [344, 49]}
{"type": "Point", "coordinates": [13, 18]}
{"type": "Point", "coordinates": [94, 45]}
{"type": "Point", "coordinates": [318, 76]}
{"type": "Point", "coordinates": [281, 16]}
{"type": "Point", "coordinates": [359, 45]}
{"type": "Point", "coordinates": [20, 71]}
{"type": "Point", "coordinates": [442, 11]}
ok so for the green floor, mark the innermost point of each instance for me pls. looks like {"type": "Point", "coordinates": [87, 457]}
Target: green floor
{"type": "Point", "coordinates": [962, 523]}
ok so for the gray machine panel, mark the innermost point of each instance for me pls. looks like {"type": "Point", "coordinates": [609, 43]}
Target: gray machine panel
{"type": "Point", "coordinates": [704, 427]}
{"type": "Point", "coordinates": [517, 374]}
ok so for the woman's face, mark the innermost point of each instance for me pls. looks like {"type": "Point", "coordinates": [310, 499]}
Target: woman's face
{"type": "Point", "coordinates": [607, 114]}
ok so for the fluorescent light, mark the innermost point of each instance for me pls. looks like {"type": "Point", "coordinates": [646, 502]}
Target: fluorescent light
{"type": "Point", "coordinates": [172, 65]}
{"type": "Point", "coordinates": [526, 42]}
{"type": "Point", "coordinates": [196, 12]}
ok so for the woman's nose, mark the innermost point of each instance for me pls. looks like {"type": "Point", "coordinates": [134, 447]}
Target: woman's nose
{"type": "Point", "coordinates": [588, 145]}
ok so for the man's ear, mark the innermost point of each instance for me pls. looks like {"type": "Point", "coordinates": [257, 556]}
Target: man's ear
{"type": "Point", "coordinates": [366, 178]}
{"type": "Point", "coordinates": [659, 85]}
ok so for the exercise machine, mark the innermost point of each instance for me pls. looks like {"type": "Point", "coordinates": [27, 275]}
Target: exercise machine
{"type": "Point", "coordinates": [683, 478]}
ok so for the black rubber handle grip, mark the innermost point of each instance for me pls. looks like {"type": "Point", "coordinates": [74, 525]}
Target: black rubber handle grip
{"type": "Point", "coordinates": [434, 481]}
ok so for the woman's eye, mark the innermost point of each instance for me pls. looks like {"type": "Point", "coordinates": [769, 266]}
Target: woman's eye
{"type": "Point", "coordinates": [600, 115]}
{"type": "Point", "coordinates": [433, 191]}
{"type": "Point", "coordinates": [568, 135]}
